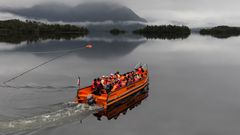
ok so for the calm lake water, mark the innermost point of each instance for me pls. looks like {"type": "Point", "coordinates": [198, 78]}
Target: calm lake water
{"type": "Point", "coordinates": [194, 83]}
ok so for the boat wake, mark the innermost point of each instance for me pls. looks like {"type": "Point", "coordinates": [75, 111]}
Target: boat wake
{"type": "Point", "coordinates": [71, 113]}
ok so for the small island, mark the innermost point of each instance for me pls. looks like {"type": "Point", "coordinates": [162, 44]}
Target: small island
{"type": "Point", "coordinates": [116, 31]}
{"type": "Point", "coordinates": [164, 32]}
{"type": "Point", "coordinates": [221, 31]}
{"type": "Point", "coordinates": [16, 31]}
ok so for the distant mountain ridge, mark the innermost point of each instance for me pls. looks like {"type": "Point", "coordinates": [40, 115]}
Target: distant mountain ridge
{"type": "Point", "coordinates": [92, 12]}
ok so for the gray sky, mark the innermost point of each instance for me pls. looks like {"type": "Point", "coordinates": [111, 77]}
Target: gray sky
{"type": "Point", "coordinates": [194, 13]}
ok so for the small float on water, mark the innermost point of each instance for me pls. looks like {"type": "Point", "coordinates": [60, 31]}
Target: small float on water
{"type": "Point", "coordinates": [115, 97]}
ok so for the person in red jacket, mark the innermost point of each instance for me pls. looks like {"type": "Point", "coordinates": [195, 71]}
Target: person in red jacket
{"type": "Point", "coordinates": [140, 71]}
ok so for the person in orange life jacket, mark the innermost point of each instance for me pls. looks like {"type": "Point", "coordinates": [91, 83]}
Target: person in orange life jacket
{"type": "Point", "coordinates": [123, 80]}
{"type": "Point", "coordinates": [116, 86]}
{"type": "Point", "coordinates": [123, 83]}
{"type": "Point", "coordinates": [122, 77]}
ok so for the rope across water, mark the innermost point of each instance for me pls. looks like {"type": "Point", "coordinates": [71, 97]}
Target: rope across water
{"type": "Point", "coordinates": [44, 63]}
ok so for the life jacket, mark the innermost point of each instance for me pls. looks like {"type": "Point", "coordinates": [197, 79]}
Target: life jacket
{"type": "Point", "coordinates": [115, 86]}
{"type": "Point", "coordinates": [140, 70]}
{"type": "Point", "coordinates": [108, 82]}
{"type": "Point", "coordinates": [122, 78]}
{"type": "Point", "coordinates": [123, 83]}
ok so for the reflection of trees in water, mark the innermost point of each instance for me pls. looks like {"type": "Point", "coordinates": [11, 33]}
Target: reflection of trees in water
{"type": "Point", "coordinates": [16, 39]}
{"type": "Point", "coordinates": [223, 36]}
{"type": "Point", "coordinates": [166, 36]}
{"type": "Point", "coordinates": [221, 31]}
{"type": "Point", "coordinates": [103, 47]}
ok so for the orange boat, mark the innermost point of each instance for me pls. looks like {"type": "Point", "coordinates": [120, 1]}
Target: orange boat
{"type": "Point", "coordinates": [115, 97]}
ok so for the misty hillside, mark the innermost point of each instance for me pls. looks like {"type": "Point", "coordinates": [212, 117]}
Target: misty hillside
{"type": "Point", "coordinates": [93, 12]}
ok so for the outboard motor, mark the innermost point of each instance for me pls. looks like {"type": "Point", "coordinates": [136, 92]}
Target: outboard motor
{"type": "Point", "coordinates": [90, 99]}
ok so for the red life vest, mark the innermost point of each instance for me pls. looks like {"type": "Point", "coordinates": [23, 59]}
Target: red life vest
{"type": "Point", "coordinates": [140, 70]}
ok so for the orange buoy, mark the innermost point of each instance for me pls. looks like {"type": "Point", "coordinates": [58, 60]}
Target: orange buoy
{"type": "Point", "coordinates": [89, 46]}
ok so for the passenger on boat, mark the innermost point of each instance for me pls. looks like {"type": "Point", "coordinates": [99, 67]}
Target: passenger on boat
{"type": "Point", "coordinates": [129, 79]}
{"type": "Point", "coordinates": [123, 83]}
{"type": "Point", "coordinates": [123, 80]}
{"type": "Point", "coordinates": [103, 81]}
{"type": "Point", "coordinates": [94, 84]}
{"type": "Point", "coordinates": [116, 81]}
{"type": "Point", "coordinates": [140, 71]}
{"type": "Point", "coordinates": [117, 75]}
{"type": "Point", "coordinates": [136, 78]}
{"type": "Point", "coordinates": [116, 86]}
{"type": "Point", "coordinates": [136, 72]}
{"type": "Point", "coordinates": [122, 77]}
{"type": "Point", "coordinates": [108, 86]}
{"type": "Point", "coordinates": [99, 87]}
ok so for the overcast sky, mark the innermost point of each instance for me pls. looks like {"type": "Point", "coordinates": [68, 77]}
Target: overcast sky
{"type": "Point", "coordinates": [194, 13]}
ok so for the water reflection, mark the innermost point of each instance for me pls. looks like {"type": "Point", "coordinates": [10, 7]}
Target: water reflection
{"type": "Point", "coordinates": [221, 36]}
{"type": "Point", "coordinates": [104, 46]}
{"type": "Point", "coordinates": [167, 36]}
{"type": "Point", "coordinates": [123, 106]}
{"type": "Point", "coordinates": [17, 39]}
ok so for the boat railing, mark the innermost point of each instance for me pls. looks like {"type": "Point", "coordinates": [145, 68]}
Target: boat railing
{"type": "Point", "coordinates": [112, 93]}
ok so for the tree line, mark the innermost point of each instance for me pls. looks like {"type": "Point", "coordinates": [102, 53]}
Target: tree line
{"type": "Point", "coordinates": [16, 31]}
{"type": "Point", "coordinates": [164, 31]}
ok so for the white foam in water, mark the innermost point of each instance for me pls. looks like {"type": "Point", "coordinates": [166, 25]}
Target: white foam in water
{"type": "Point", "coordinates": [73, 112]}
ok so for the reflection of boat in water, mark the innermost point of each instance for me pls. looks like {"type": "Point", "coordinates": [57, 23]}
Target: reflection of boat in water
{"type": "Point", "coordinates": [114, 110]}
{"type": "Point", "coordinates": [107, 100]}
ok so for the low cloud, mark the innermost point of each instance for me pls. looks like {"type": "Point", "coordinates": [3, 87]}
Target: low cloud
{"type": "Point", "coordinates": [194, 13]}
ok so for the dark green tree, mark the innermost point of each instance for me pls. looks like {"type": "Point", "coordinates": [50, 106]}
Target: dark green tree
{"type": "Point", "coordinates": [164, 31]}
{"type": "Point", "coordinates": [16, 31]}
